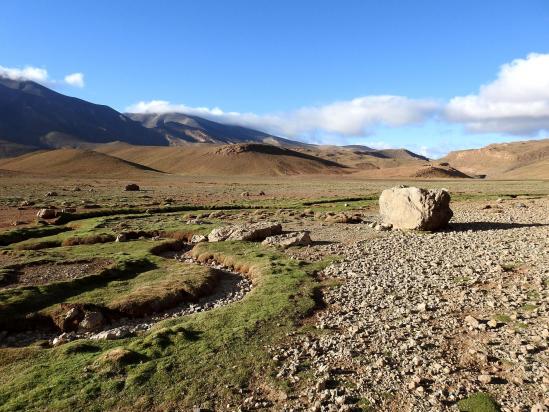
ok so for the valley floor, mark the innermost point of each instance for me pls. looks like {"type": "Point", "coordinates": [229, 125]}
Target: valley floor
{"type": "Point", "coordinates": [360, 319]}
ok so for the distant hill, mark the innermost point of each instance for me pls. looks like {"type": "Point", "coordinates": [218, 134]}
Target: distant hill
{"type": "Point", "coordinates": [526, 159]}
{"type": "Point", "coordinates": [76, 163]}
{"type": "Point", "coordinates": [362, 157]}
{"type": "Point", "coordinates": [34, 117]}
{"type": "Point", "coordinates": [179, 128]}
{"type": "Point", "coordinates": [248, 159]}
{"type": "Point", "coordinates": [414, 170]}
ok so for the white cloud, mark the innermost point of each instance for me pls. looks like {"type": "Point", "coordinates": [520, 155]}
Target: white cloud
{"type": "Point", "coordinates": [39, 75]}
{"type": "Point", "coordinates": [344, 118]}
{"type": "Point", "coordinates": [75, 79]}
{"type": "Point", "coordinates": [517, 102]}
{"type": "Point", "coordinates": [26, 73]}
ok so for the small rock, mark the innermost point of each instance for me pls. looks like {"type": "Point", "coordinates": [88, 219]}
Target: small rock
{"type": "Point", "coordinates": [471, 321]}
{"type": "Point", "coordinates": [93, 321]}
{"type": "Point", "coordinates": [199, 239]}
{"type": "Point", "coordinates": [485, 379]}
{"type": "Point", "coordinates": [47, 213]}
{"type": "Point", "coordinates": [132, 187]}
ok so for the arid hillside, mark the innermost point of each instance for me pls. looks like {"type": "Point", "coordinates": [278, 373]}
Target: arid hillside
{"type": "Point", "coordinates": [237, 160]}
{"type": "Point", "coordinates": [75, 162]}
{"type": "Point", "coordinates": [517, 160]}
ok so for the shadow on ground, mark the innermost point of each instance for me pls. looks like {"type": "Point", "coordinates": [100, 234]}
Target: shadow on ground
{"type": "Point", "coordinates": [483, 226]}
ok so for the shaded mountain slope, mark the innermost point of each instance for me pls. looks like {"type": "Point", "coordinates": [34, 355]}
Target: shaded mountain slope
{"type": "Point", "coordinates": [33, 115]}
{"type": "Point", "coordinates": [180, 128]}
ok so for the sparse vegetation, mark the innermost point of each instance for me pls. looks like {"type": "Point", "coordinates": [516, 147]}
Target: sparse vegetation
{"type": "Point", "coordinates": [479, 402]}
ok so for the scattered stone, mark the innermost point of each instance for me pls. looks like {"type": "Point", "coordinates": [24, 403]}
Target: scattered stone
{"type": "Point", "coordinates": [132, 187]}
{"type": "Point", "coordinates": [414, 208]}
{"type": "Point", "coordinates": [199, 239]}
{"type": "Point", "coordinates": [121, 237]}
{"type": "Point", "coordinates": [51, 194]}
{"type": "Point", "coordinates": [249, 232]}
{"type": "Point", "coordinates": [92, 322]}
{"type": "Point", "coordinates": [471, 321]}
{"type": "Point", "coordinates": [47, 213]}
{"type": "Point", "coordinates": [111, 334]}
{"type": "Point", "coordinates": [538, 407]}
{"type": "Point", "coordinates": [485, 379]}
{"type": "Point", "coordinates": [64, 338]}
{"type": "Point", "coordinates": [289, 239]}
{"type": "Point", "coordinates": [343, 218]}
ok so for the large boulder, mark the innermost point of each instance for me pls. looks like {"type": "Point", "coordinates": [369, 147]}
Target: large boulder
{"type": "Point", "coordinates": [415, 208]}
{"type": "Point", "coordinates": [249, 232]}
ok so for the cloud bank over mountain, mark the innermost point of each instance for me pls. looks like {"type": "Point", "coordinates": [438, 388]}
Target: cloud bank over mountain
{"type": "Point", "coordinates": [41, 75]}
{"type": "Point", "coordinates": [516, 103]}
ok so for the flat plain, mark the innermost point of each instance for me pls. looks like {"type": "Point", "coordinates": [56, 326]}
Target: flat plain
{"type": "Point", "coordinates": [360, 319]}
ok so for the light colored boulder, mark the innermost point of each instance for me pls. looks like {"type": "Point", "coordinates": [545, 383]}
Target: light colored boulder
{"type": "Point", "coordinates": [415, 208]}
{"type": "Point", "coordinates": [289, 239]}
{"type": "Point", "coordinates": [249, 232]}
{"type": "Point", "coordinates": [111, 334]}
{"type": "Point", "coordinates": [199, 239]}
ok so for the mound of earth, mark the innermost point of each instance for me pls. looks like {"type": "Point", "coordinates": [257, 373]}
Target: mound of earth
{"type": "Point", "coordinates": [414, 170]}
{"type": "Point", "coordinates": [527, 159]}
{"type": "Point", "coordinates": [228, 160]}
{"type": "Point", "coordinates": [363, 157]}
{"type": "Point", "coordinates": [74, 162]}
{"type": "Point", "coordinates": [430, 171]}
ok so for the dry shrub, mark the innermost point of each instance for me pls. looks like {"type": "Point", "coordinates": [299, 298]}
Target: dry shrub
{"type": "Point", "coordinates": [44, 244]}
{"type": "Point", "coordinates": [88, 240]}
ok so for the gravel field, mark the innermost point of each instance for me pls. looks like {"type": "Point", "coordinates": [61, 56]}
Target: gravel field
{"type": "Point", "coordinates": [418, 320]}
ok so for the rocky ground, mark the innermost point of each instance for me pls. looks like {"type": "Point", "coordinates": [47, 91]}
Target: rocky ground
{"type": "Point", "coordinates": [417, 320]}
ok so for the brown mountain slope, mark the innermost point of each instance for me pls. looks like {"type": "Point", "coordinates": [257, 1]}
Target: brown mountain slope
{"type": "Point", "coordinates": [536, 170]}
{"type": "Point", "coordinates": [75, 162]}
{"type": "Point", "coordinates": [247, 159]}
{"type": "Point", "coordinates": [504, 160]}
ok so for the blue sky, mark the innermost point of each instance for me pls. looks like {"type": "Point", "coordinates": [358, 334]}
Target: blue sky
{"type": "Point", "coordinates": [383, 73]}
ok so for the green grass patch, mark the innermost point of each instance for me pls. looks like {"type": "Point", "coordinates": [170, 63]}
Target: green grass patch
{"type": "Point", "coordinates": [528, 307]}
{"type": "Point", "coordinates": [478, 402]}
{"type": "Point", "coordinates": [202, 359]}
{"type": "Point", "coordinates": [21, 234]}
{"type": "Point", "coordinates": [502, 318]}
